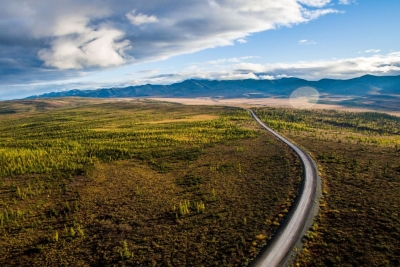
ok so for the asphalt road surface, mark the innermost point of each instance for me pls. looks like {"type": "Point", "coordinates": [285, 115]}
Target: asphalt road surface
{"type": "Point", "coordinates": [292, 230]}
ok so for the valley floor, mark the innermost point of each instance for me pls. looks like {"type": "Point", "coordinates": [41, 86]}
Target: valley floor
{"type": "Point", "coordinates": [263, 102]}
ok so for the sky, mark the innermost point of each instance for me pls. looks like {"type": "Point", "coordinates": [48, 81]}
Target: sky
{"type": "Point", "coordinates": [57, 45]}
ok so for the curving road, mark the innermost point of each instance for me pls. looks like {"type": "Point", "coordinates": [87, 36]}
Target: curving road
{"type": "Point", "coordinates": [283, 242]}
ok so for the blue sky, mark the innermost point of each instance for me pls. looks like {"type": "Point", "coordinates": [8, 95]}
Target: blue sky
{"type": "Point", "coordinates": [49, 45]}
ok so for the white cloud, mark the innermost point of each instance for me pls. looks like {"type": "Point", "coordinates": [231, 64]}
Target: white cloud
{"type": "Point", "coordinates": [315, 3]}
{"type": "Point", "coordinates": [342, 68]}
{"type": "Point", "coordinates": [140, 18]}
{"type": "Point", "coordinates": [282, 76]}
{"type": "Point", "coordinates": [266, 77]}
{"type": "Point", "coordinates": [88, 48]}
{"type": "Point", "coordinates": [307, 42]}
{"type": "Point", "coordinates": [66, 33]}
{"type": "Point", "coordinates": [238, 76]}
{"type": "Point", "coordinates": [346, 2]}
{"type": "Point", "coordinates": [337, 69]}
{"type": "Point", "coordinates": [72, 40]}
{"type": "Point", "coordinates": [315, 14]}
{"type": "Point", "coordinates": [249, 67]}
{"type": "Point", "coordinates": [372, 51]}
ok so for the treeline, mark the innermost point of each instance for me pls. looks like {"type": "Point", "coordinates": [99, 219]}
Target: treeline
{"type": "Point", "coordinates": [372, 123]}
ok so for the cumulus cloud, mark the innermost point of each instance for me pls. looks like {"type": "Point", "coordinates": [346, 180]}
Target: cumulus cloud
{"type": "Point", "coordinates": [140, 18]}
{"type": "Point", "coordinates": [64, 35]}
{"type": "Point", "coordinates": [99, 48]}
{"type": "Point", "coordinates": [78, 34]}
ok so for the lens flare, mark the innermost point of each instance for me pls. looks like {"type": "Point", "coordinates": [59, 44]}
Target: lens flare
{"type": "Point", "coordinates": [304, 97]}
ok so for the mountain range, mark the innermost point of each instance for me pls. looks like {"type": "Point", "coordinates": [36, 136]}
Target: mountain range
{"type": "Point", "coordinates": [358, 87]}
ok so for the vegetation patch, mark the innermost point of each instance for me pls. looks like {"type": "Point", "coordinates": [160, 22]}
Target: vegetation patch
{"type": "Point", "coordinates": [358, 158]}
{"type": "Point", "coordinates": [95, 184]}
{"type": "Point", "coordinates": [189, 180]}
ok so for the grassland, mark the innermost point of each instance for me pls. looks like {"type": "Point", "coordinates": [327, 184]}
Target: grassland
{"type": "Point", "coordinates": [99, 183]}
{"type": "Point", "coordinates": [358, 158]}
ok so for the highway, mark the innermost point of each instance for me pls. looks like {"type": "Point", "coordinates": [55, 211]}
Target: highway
{"type": "Point", "coordinates": [292, 230]}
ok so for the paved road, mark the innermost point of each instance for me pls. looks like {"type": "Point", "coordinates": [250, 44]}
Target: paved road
{"type": "Point", "coordinates": [283, 242]}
